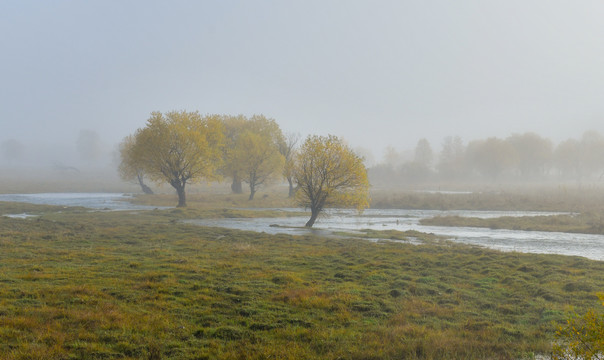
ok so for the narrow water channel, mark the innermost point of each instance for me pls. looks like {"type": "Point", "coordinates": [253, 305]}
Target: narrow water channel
{"type": "Point", "coordinates": [336, 220]}
{"type": "Point", "coordinates": [98, 201]}
{"type": "Point", "coordinates": [586, 245]}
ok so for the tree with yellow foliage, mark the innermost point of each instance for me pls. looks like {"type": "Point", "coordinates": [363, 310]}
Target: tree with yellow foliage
{"type": "Point", "coordinates": [329, 174]}
{"type": "Point", "coordinates": [287, 148]}
{"type": "Point", "coordinates": [179, 147]}
{"type": "Point", "coordinates": [253, 155]}
{"type": "Point", "coordinates": [582, 337]}
{"type": "Point", "coordinates": [233, 127]}
{"type": "Point", "coordinates": [130, 169]}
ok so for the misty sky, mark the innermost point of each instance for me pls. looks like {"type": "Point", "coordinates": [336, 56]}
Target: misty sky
{"type": "Point", "coordinates": [377, 73]}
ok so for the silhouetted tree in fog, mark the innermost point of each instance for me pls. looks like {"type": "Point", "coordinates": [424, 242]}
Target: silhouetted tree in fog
{"type": "Point", "coordinates": [423, 153]}
{"type": "Point", "coordinates": [392, 157]}
{"type": "Point", "coordinates": [592, 152]}
{"type": "Point", "coordinates": [420, 169]}
{"type": "Point", "coordinates": [451, 163]}
{"type": "Point", "coordinates": [491, 157]}
{"type": "Point", "coordinates": [233, 127]}
{"type": "Point", "coordinates": [287, 148]}
{"type": "Point", "coordinates": [413, 172]}
{"type": "Point", "coordinates": [533, 154]}
{"type": "Point", "coordinates": [131, 166]}
{"type": "Point", "coordinates": [580, 159]}
{"type": "Point", "coordinates": [567, 158]}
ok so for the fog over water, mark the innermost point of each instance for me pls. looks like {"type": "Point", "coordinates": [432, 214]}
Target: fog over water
{"type": "Point", "coordinates": [79, 76]}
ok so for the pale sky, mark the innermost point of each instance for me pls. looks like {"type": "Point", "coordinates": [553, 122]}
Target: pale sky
{"type": "Point", "coordinates": [377, 73]}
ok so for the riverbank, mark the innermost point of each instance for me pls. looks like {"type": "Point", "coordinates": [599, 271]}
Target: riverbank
{"type": "Point", "coordinates": [584, 223]}
{"type": "Point", "coordinates": [106, 285]}
{"type": "Point", "coordinates": [576, 198]}
{"type": "Point", "coordinates": [291, 220]}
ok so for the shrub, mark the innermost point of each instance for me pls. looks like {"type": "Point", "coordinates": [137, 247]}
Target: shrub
{"type": "Point", "coordinates": [582, 337]}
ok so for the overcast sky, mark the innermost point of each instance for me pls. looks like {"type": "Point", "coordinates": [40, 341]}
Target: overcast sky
{"type": "Point", "coordinates": [377, 73]}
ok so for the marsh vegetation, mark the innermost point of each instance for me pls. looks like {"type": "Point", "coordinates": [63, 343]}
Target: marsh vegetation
{"type": "Point", "coordinates": [141, 284]}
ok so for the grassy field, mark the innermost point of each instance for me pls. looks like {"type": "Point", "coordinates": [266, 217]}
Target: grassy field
{"type": "Point", "coordinates": [567, 198]}
{"type": "Point", "coordinates": [220, 199]}
{"type": "Point", "coordinates": [585, 206]}
{"type": "Point", "coordinates": [586, 223]}
{"type": "Point", "coordinates": [76, 284]}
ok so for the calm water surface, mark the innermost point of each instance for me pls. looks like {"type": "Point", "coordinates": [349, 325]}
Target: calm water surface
{"type": "Point", "coordinates": [590, 246]}
{"type": "Point", "coordinates": [587, 245]}
{"type": "Point", "coordinates": [99, 201]}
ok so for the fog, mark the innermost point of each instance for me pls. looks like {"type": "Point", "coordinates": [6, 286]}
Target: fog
{"type": "Point", "coordinates": [79, 76]}
{"type": "Point", "coordinates": [526, 158]}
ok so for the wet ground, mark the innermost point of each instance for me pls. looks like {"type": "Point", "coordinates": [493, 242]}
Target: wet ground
{"type": "Point", "coordinates": [99, 201]}
{"type": "Point", "coordinates": [337, 220]}
{"type": "Point", "coordinates": [587, 245]}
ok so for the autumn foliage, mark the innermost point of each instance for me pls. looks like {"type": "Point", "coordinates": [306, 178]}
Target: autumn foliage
{"type": "Point", "coordinates": [178, 147]}
{"type": "Point", "coordinates": [252, 154]}
{"type": "Point", "coordinates": [181, 147]}
{"type": "Point", "coordinates": [329, 174]}
{"type": "Point", "coordinates": [582, 337]}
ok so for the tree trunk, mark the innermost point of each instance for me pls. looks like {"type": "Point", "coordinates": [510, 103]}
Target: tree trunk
{"type": "Point", "coordinates": [236, 185]}
{"type": "Point", "coordinates": [252, 191]}
{"type": "Point", "coordinates": [292, 190]}
{"type": "Point", "coordinates": [182, 201]}
{"type": "Point", "coordinates": [146, 190]}
{"type": "Point", "coordinates": [313, 217]}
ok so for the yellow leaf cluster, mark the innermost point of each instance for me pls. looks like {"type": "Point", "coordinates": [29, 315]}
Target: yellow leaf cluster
{"type": "Point", "coordinates": [177, 147]}
{"type": "Point", "coordinates": [129, 168]}
{"type": "Point", "coordinates": [582, 337]}
{"type": "Point", "coordinates": [330, 174]}
{"type": "Point", "coordinates": [252, 153]}
{"type": "Point", "coordinates": [256, 148]}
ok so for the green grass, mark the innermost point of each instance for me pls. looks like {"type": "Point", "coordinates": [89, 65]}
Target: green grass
{"type": "Point", "coordinates": [379, 235]}
{"type": "Point", "coordinates": [76, 284]}
{"type": "Point", "coordinates": [546, 198]}
{"type": "Point", "coordinates": [218, 198]}
{"type": "Point", "coordinates": [576, 198]}
{"type": "Point", "coordinates": [586, 204]}
{"type": "Point", "coordinates": [205, 213]}
{"type": "Point", "coordinates": [587, 223]}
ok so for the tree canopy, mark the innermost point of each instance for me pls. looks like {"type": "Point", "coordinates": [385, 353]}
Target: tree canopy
{"type": "Point", "coordinates": [179, 147]}
{"type": "Point", "coordinates": [329, 173]}
{"type": "Point", "coordinates": [582, 337]}
{"type": "Point", "coordinates": [130, 169]}
{"type": "Point", "coordinates": [287, 148]}
{"type": "Point", "coordinates": [253, 154]}
{"type": "Point", "coordinates": [233, 127]}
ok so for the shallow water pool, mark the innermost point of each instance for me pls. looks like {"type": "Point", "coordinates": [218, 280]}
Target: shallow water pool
{"type": "Point", "coordinates": [586, 245]}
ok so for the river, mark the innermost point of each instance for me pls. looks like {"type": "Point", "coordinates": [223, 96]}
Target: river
{"type": "Point", "coordinates": [586, 245]}
{"type": "Point", "coordinates": [97, 201]}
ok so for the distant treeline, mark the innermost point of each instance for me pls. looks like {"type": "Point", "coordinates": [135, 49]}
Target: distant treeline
{"type": "Point", "coordinates": [519, 157]}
